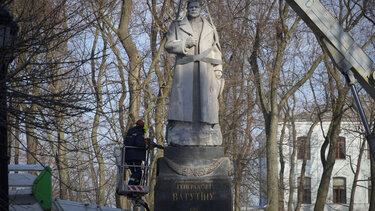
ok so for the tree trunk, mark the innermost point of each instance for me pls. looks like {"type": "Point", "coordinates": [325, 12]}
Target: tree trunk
{"type": "Point", "coordinates": [62, 161]}
{"type": "Point", "coordinates": [332, 134]}
{"type": "Point", "coordinates": [135, 68]}
{"type": "Point", "coordinates": [282, 168]}
{"type": "Point", "coordinates": [17, 139]}
{"type": "Point", "coordinates": [97, 86]}
{"type": "Point", "coordinates": [292, 165]}
{"type": "Point", "coordinates": [328, 165]}
{"type": "Point", "coordinates": [271, 107]}
{"type": "Point", "coordinates": [32, 144]}
{"type": "Point", "coordinates": [9, 138]}
{"type": "Point", "coordinates": [272, 164]}
{"type": "Point", "coordinates": [165, 84]}
{"type": "Point", "coordinates": [303, 167]}
{"type": "Point", "coordinates": [134, 60]}
{"type": "Point", "coordinates": [237, 183]}
{"type": "Point", "coordinates": [100, 193]}
{"type": "Point", "coordinates": [356, 174]}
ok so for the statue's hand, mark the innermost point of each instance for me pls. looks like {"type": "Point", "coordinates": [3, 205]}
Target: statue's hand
{"type": "Point", "coordinates": [190, 42]}
{"type": "Point", "coordinates": [218, 74]}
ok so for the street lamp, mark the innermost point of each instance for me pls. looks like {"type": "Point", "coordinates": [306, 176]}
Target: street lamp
{"type": "Point", "coordinates": [8, 32]}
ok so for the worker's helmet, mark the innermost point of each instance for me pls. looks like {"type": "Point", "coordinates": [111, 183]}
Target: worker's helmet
{"type": "Point", "coordinates": [140, 122]}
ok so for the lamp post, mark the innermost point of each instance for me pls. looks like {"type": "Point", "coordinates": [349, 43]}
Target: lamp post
{"type": "Point", "coordinates": [8, 31]}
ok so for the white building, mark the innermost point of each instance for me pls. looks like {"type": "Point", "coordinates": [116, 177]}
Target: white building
{"type": "Point", "coordinates": [349, 145]}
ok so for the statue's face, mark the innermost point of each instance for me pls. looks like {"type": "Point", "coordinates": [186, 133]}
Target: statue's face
{"type": "Point", "coordinates": [194, 9]}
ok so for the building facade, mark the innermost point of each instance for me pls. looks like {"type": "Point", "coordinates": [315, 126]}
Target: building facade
{"type": "Point", "coordinates": [341, 184]}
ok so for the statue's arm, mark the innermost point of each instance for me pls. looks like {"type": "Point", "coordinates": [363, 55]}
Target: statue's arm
{"type": "Point", "coordinates": [174, 44]}
{"type": "Point", "coordinates": [217, 54]}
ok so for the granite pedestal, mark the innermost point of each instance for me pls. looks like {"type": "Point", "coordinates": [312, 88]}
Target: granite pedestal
{"type": "Point", "coordinates": [192, 178]}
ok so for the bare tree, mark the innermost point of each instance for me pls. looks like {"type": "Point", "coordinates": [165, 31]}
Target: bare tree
{"type": "Point", "coordinates": [135, 61]}
{"type": "Point", "coordinates": [269, 103]}
{"type": "Point", "coordinates": [293, 155]}
{"type": "Point", "coordinates": [337, 102]}
{"type": "Point", "coordinates": [301, 182]}
{"type": "Point", "coordinates": [44, 83]}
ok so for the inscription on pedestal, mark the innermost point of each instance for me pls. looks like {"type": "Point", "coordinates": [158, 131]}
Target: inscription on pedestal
{"type": "Point", "coordinates": [192, 195]}
{"type": "Point", "coordinates": [189, 191]}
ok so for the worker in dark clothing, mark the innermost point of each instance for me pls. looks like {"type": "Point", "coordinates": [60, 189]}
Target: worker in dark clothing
{"type": "Point", "coordinates": [135, 151]}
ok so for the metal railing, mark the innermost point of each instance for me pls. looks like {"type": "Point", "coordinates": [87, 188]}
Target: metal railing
{"type": "Point", "coordinates": [123, 172]}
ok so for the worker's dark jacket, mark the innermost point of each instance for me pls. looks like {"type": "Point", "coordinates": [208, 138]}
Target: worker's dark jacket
{"type": "Point", "coordinates": [135, 138]}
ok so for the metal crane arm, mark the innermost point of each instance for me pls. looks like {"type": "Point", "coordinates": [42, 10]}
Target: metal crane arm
{"type": "Point", "coordinates": [347, 55]}
{"type": "Point", "coordinates": [344, 51]}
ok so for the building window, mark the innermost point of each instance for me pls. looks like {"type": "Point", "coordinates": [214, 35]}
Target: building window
{"type": "Point", "coordinates": [301, 142]}
{"type": "Point", "coordinates": [341, 150]}
{"type": "Point", "coordinates": [306, 193]}
{"type": "Point", "coordinates": [339, 190]}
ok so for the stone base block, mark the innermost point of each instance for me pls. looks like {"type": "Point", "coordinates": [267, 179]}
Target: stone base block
{"type": "Point", "coordinates": [193, 179]}
{"type": "Point", "coordinates": [193, 134]}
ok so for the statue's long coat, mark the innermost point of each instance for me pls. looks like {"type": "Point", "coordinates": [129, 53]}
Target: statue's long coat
{"type": "Point", "coordinates": [181, 101]}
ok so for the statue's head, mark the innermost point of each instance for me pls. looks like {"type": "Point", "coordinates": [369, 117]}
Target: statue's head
{"type": "Point", "coordinates": [194, 8]}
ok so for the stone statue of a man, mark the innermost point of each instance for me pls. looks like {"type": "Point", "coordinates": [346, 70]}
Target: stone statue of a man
{"type": "Point", "coordinates": [193, 109]}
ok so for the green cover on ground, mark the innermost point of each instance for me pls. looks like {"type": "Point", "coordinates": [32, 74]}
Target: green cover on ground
{"type": "Point", "coordinates": [42, 189]}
